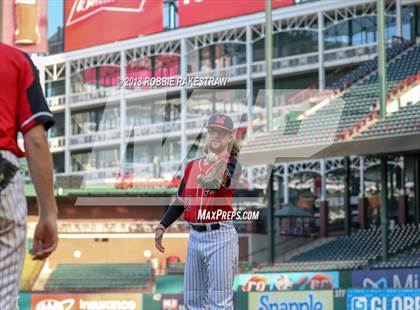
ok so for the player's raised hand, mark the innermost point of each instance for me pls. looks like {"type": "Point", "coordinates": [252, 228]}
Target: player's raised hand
{"type": "Point", "coordinates": [45, 237]}
{"type": "Point", "coordinates": [159, 231]}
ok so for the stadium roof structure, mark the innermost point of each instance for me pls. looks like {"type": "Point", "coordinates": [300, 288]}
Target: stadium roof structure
{"type": "Point", "coordinates": [363, 146]}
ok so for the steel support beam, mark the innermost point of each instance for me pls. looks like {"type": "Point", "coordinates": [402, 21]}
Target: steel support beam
{"type": "Point", "coordinates": [381, 57]}
{"type": "Point", "coordinates": [269, 63]}
{"type": "Point", "coordinates": [184, 141]}
{"type": "Point", "coordinates": [321, 67]}
{"type": "Point", "coordinates": [347, 205]}
{"type": "Point", "coordinates": [384, 206]}
{"type": "Point", "coordinates": [67, 119]}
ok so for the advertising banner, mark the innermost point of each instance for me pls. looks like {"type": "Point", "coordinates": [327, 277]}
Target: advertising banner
{"type": "Point", "coordinates": [269, 282]}
{"type": "Point", "coordinates": [101, 301]}
{"type": "Point", "coordinates": [386, 278]}
{"type": "Point", "coordinates": [89, 23]}
{"type": "Point", "coordinates": [193, 12]}
{"type": "Point", "coordinates": [172, 302]}
{"type": "Point", "coordinates": [24, 301]}
{"type": "Point", "coordinates": [318, 300]}
{"type": "Point", "coordinates": [340, 299]}
{"type": "Point", "coordinates": [163, 301]}
{"type": "Point", "coordinates": [404, 299]}
{"type": "Point", "coordinates": [24, 25]}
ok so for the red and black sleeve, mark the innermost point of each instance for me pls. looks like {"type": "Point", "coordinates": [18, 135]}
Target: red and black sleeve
{"type": "Point", "coordinates": [32, 107]}
{"type": "Point", "coordinates": [180, 195]}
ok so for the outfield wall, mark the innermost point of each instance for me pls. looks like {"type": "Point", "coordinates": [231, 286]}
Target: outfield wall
{"type": "Point", "coordinates": [387, 289]}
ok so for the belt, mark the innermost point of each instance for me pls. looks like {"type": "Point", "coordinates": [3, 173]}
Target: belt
{"type": "Point", "coordinates": [201, 227]}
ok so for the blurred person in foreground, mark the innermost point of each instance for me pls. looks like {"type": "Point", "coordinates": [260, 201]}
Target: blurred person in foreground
{"type": "Point", "coordinates": [23, 109]}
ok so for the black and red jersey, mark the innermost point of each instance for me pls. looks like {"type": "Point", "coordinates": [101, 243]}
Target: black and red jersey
{"type": "Point", "coordinates": [22, 102]}
{"type": "Point", "coordinates": [194, 197]}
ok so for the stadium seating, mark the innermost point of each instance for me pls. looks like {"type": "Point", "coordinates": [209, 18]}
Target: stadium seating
{"type": "Point", "coordinates": [82, 277]}
{"type": "Point", "coordinates": [360, 99]}
{"type": "Point", "coordinates": [369, 66]}
{"type": "Point", "coordinates": [407, 259]}
{"type": "Point", "coordinates": [405, 121]}
{"type": "Point", "coordinates": [347, 110]}
{"type": "Point", "coordinates": [169, 284]}
{"type": "Point", "coordinates": [310, 266]}
{"type": "Point", "coordinates": [405, 237]}
{"type": "Point", "coordinates": [349, 252]}
{"type": "Point", "coordinates": [176, 268]}
{"type": "Point", "coordinates": [361, 246]}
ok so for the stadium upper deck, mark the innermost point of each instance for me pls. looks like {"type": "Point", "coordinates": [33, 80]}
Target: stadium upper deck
{"type": "Point", "coordinates": [313, 46]}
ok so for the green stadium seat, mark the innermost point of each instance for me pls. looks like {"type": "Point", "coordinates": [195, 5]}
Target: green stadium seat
{"type": "Point", "coordinates": [356, 251]}
{"type": "Point", "coordinates": [359, 101]}
{"type": "Point", "coordinates": [81, 277]}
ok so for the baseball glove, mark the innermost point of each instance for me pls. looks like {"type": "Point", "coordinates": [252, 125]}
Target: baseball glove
{"type": "Point", "coordinates": [216, 177]}
{"type": "Point", "coordinates": [7, 172]}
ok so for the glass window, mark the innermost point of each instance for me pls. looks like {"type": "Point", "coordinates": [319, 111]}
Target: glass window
{"type": "Point", "coordinates": [167, 65]}
{"type": "Point", "coordinates": [170, 14]}
{"type": "Point", "coordinates": [58, 129]}
{"type": "Point", "coordinates": [205, 63]}
{"type": "Point", "coordinates": [98, 159]}
{"type": "Point", "coordinates": [303, 192]}
{"type": "Point", "coordinates": [81, 162]}
{"type": "Point", "coordinates": [229, 54]}
{"type": "Point", "coordinates": [216, 56]}
{"type": "Point", "coordinates": [94, 78]}
{"type": "Point", "coordinates": [91, 121]}
{"type": "Point", "coordinates": [337, 36]}
{"type": "Point", "coordinates": [410, 22]}
{"type": "Point", "coordinates": [55, 88]}
{"type": "Point", "coordinates": [287, 43]}
{"type": "Point", "coordinates": [58, 159]}
{"type": "Point", "coordinates": [357, 31]}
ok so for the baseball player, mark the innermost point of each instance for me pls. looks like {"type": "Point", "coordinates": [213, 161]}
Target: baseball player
{"type": "Point", "coordinates": [208, 185]}
{"type": "Point", "coordinates": [22, 108]}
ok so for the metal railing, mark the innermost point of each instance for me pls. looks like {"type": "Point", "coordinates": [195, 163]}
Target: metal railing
{"type": "Point", "coordinates": [142, 169]}
{"type": "Point", "coordinates": [94, 95]}
{"type": "Point", "coordinates": [57, 142]}
{"type": "Point", "coordinates": [231, 71]}
{"type": "Point", "coordinates": [97, 175]}
{"type": "Point", "coordinates": [56, 102]}
{"type": "Point", "coordinates": [287, 62]}
{"type": "Point", "coordinates": [350, 52]}
{"type": "Point", "coordinates": [95, 137]}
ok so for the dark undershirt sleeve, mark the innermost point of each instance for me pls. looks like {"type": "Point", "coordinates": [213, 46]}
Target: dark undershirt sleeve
{"type": "Point", "coordinates": [172, 214]}
{"type": "Point", "coordinates": [176, 208]}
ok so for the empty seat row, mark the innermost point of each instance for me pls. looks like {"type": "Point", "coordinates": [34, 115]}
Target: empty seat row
{"type": "Point", "coordinates": [100, 276]}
